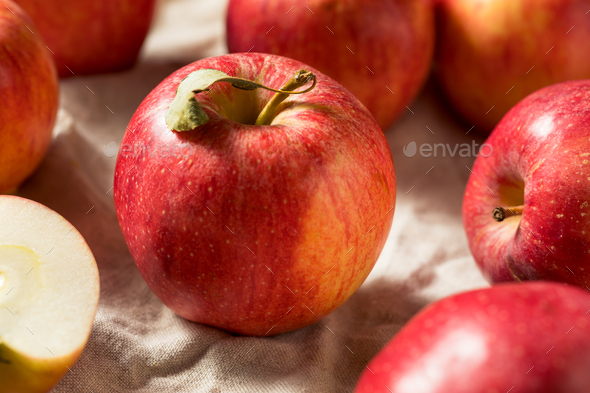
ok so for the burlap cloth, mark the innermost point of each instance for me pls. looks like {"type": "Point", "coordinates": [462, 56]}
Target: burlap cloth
{"type": "Point", "coordinates": [138, 345]}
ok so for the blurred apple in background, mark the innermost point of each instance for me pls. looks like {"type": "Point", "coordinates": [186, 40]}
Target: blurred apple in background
{"type": "Point", "coordinates": [49, 289]}
{"type": "Point", "coordinates": [255, 229]}
{"type": "Point", "coordinates": [539, 176]}
{"type": "Point", "coordinates": [29, 91]}
{"type": "Point", "coordinates": [517, 338]}
{"type": "Point", "coordinates": [493, 53]}
{"type": "Point", "coordinates": [89, 36]}
{"type": "Point", "coordinates": [381, 50]}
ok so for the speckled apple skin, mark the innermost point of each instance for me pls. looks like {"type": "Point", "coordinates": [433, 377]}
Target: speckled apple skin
{"type": "Point", "coordinates": [517, 338]}
{"type": "Point", "coordinates": [541, 157]}
{"type": "Point", "coordinates": [262, 229]}
{"type": "Point", "coordinates": [89, 36]}
{"type": "Point", "coordinates": [381, 50]}
{"type": "Point", "coordinates": [30, 93]}
{"type": "Point", "coordinates": [487, 50]}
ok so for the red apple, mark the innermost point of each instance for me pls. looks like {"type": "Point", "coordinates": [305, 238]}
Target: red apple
{"type": "Point", "coordinates": [89, 36]}
{"type": "Point", "coordinates": [380, 50]}
{"type": "Point", "coordinates": [255, 229]}
{"type": "Point", "coordinates": [493, 53]}
{"type": "Point", "coordinates": [540, 170]}
{"type": "Point", "coordinates": [517, 338]}
{"type": "Point", "coordinates": [29, 91]}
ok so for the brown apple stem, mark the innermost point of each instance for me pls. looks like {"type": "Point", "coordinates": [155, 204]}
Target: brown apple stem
{"type": "Point", "coordinates": [300, 79]}
{"type": "Point", "coordinates": [500, 213]}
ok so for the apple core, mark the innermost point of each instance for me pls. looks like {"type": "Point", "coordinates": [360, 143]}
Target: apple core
{"type": "Point", "coordinates": [17, 270]}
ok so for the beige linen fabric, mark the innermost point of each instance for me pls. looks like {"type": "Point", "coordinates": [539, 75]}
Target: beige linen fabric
{"type": "Point", "coordinates": [138, 345]}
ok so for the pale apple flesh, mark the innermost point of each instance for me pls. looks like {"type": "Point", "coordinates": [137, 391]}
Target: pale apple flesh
{"type": "Point", "coordinates": [260, 229]}
{"type": "Point", "coordinates": [49, 291]}
{"type": "Point", "coordinates": [491, 54]}
{"type": "Point", "coordinates": [29, 91]}
{"type": "Point", "coordinates": [541, 159]}
{"type": "Point", "coordinates": [517, 338]}
{"type": "Point", "coordinates": [380, 50]}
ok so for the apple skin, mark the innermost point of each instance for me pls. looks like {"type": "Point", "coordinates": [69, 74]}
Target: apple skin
{"type": "Point", "coordinates": [252, 232]}
{"type": "Point", "coordinates": [393, 38]}
{"type": "Point", "coordinates": [30, 95]}
{"type": "Point", "coordinates": [486, 50]}
{"type": "Point", "coordinates": [32, 375]}
{"type": "Point", "coordinates": [540, 158]}
{"type": "Point", "coordinates": [488, 341]}
{"type": "Point", "coordinates": [90, 37]}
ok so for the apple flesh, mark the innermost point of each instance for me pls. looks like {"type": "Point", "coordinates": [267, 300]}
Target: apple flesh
{"type": "Point", "coordinates": [29, 91]}
{"type": "Point", "coordinates": [381, 50]}
{"type": "Point", "coordinates": [257, 230]}
{"type": "Point", "coordinates": [89, 37]}
{"type": "Point", "coordinates": [540, 160]}
{"type": "Point", "coordinates": [49, 289]}
{"type": "Point", "coordinates": [517, 338]}
{"type": "Point", "coordinates": [487, 51]}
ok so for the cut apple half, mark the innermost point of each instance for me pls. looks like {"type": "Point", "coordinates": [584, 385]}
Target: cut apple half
{"type": "Point", "coordinates": [49, 290]}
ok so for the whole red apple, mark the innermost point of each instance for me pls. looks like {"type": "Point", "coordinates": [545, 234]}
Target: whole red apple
{"type": "Point", "coordinates": [517, 338]}
{"type": "Point", "coordinates": [88, 36]}
{"type": "Point", "coordinates": [539, 175]}
{"type": "Point", "coordinates": [255, 229]}
{"type": "Point", "coordinates": [381, 50]}
{"type": "Point", "coordinates": [29, 92]}
{"type": "Point", "coordinates": [493, 53]}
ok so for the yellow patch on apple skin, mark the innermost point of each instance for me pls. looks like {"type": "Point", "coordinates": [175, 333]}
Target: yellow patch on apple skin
{"type": "Point", "coordinates": [335, 245]}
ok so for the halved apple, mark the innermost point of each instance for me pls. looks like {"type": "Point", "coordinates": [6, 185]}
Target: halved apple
{"type": "Point", "coordinates": [49, 290]}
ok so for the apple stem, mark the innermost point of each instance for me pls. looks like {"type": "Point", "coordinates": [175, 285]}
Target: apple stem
{"type": "Point", "coordinates": [300, 79]}
{"type": "Point", "coordinates": [500, 213]}
{"type": "Point", "coordinates": [185, 113]}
